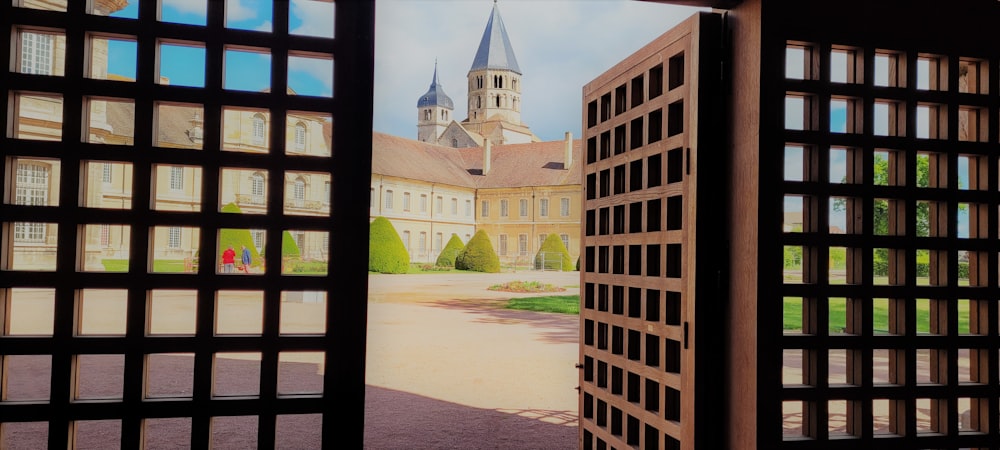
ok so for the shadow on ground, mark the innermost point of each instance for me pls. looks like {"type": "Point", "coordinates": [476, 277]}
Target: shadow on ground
{"type": "Point", "coordinates": [565, 328]}
{"type": "Point", "coordinates": [396, 419]}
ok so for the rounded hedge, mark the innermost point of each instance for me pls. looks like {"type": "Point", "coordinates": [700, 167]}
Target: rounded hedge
{"type": "Point", "coordinates": [553, 244]}
{"type": "Point", "coordinates": [478, 255]}
{"type": "Point", "coordinates": [386, 252]}
{"type": "Point", "coordinates": [450, 252]}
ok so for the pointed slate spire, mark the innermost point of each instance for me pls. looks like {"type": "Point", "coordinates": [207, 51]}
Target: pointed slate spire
{"type": "Point", "coordinates": [435, 96]}
{"type": "Point", "coordinates": [495, 51]}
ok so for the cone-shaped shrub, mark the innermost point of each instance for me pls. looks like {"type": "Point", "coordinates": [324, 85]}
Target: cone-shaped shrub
{"type": "Point", "coordinates": [236, 237]}
{"type": "Point", "coordinates": [546, 254]}
{"type": "Point", "coordinates": [289, 248]}
{"type": "Point", "coordinates": [450, 252]}
{"type": "Point", "coordinates": [386, 252]}
{"type": "Point", "coordinates": [478, 255]}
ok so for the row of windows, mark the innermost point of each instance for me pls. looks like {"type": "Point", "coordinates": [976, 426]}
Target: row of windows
{"type": "Point", "coordinates": [523, 210]}
{"type": "Point", "coordinates": [639, 88]}
{"type": "Point", "coordinates": [389, 203]}
{"type": "Point", "coordinates": [522, 243]}
{"type": "Point", "coordinates": [422, 241]}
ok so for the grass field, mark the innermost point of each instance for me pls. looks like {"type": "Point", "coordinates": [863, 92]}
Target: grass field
{"type": "Point", "coordinates": [880, 315]}
{"type": "Point", "coordinates": [563, 304]}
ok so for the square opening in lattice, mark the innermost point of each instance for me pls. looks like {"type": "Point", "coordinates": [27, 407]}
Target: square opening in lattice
{"type": "Point", "coordinates": [234, 432]}
{"type": "Point", "coordinates": [837, 315]}
{"type": "Point", "coordinates": [931, 416]}
{"type": "Point", "coordinates": [799, 114]}
{"type": "Point", "coordinates": [791, 367]}
{"type": "Point", "coordinates": [36, 117]}
{"type": "Point", "coordinates": [312, 74]}
{"type": "Point", "coordinates": [241, 57]}
{"type": "Point", "coordinates": [26, 378]}
{"type": "Point", "coordinates": [793, 419]}
{"type": "Point", "coordinates": [794, 315]}
{"type": "Point", "coordinates": [239, 312]}
{"type": "Point", "coordinates": [309, 252]}
{"type": "Point", "coordinates": [846, 115]}
{"type": "Point", "coordinates": [675, 165]}
{"type": "Point", "coordinates": [973, 76]}
{"type": "Point", "coordinates": [837, 418]}
{"type": "Point", "coordinates": [881, 316]}
{"type": "Point", "coordinates": [841, 167]}
{"type": "Point", "coordinates": [293, 431]}
{"type": "Point", "coordinates": [243, 191]}
{"type": "Point", "coordinates": [36, 182]}
{"type": "Point", "coordinates": [27, 311]}
{"type": "Point", "coordinates": [846, 65]}
{"type": "Point", "coordinates": [932, 121]}
{"type": "Point", "coordinates": [889, 169]}
{"type": "Point", "coordinates": [245, 130]}
{"type": "Point", "coordinates": [793, 214]}
{"type": "Point", "coordinates": [40, 51]}
{"type": "Point", "coordinates": [27, 434]}
{"type": "Point", "coordinates": [794, 163]}
{"type": "Point", "coordinates": [176, 188]}
{"type": "Point", "coordinates": [308, 133]}
{"type": "Point", "coordinates": [964, 363]}
{"type": "Point", "coordinates": [308, 194]}
{"type": "Point", "coordinates": [972, 415]}
{"type": "Point", "coordinates": [172, 312]}
{"type": "Point", "coordinates": [301, 373]}
{"type": "Point", "coordinates": [973, 172]}
{"type": "Point", "coordinates": [840, 265]}
{"type": "Point", "coordinates": [191, 13]}
{"type": "Point", "coordinates": [799, 64]}
{"type": "Point", "coordinates": [792, 267]}
{"type": "Point", "coordinates": [178, 125]}
{"type": "Point", "coordinates": [31, 245]}
{"type": "Point", "coordinates": [973, 124]}
{"type": "Point", "coordinates": [302, 312]}
{"type": "Point", "coordinates": [882, 362]}
{"type": "Point", "coordinates": [236, 374]}
{"type": "Point", "coordinates": [191, 73]}
{"type": "Point", "coordinates": [888, 266]}
{"type": "Point", "coordinates": [252, 16]}
{"type": "Point", "coordinates": [840, 209]}
{"type": "Point", "coordinates": [169, 375]}
{"type": "Point", "coordinates": [890, 69]}
{"type": "Point", "coordinates": [889, 118]}
{"type": "Point", "coordinates": [884, 421]}
{"type": "Point", "coordinates": [103, 434]}
{"type": "Point", "coordinates": [166, 432]}
{"type": "Point", "coordinates": [99, 377]}
{"type": "Point", "coordinates": [107, 184]}
{"type": "Point", "coordinates": [233, 254]}
{"type": "Point", "coordinates": [112, 57]}
{"type": "Point", "coordinates": [923, 315]}
{"type": "Point", "coordinates": [105, 248]}
{"type": "Point", "coordinates": [101, 312]}
{"type": "Point", "coordinates": [837, 366]}
{"type": "Point", "coordinates": [174, 249]}
{"type": "Point", "coordinates": [932, 72]}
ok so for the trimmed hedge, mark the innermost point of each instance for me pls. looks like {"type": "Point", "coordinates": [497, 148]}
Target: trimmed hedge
{"type": "Point", "coordinates": [236, 237]}
{"type": "Point", "coordinates": [553, 244]}
{"type": "Point", "coordinates": [386, 252]}
{"type": "Point", "coordinates": [289, 248]}
{"type": "Point", "coordinates": [478, 255]}
{"type": "Point", "coordinates": [450, 252]}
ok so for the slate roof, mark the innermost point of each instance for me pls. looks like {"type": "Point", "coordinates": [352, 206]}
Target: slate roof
{"type": "Point", "coordinates": [512, 165]}
{"type": "Point", "coordinates": [435, 96]}
{"type": "Point", "coordinates": [495, 51]}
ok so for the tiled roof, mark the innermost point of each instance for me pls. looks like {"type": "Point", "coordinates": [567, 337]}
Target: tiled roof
{"type": "Point", "coordinates": [408, 158]}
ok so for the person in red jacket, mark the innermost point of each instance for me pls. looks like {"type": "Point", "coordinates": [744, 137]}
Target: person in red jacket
{"type": "Point", "coordinates": [228, 260]}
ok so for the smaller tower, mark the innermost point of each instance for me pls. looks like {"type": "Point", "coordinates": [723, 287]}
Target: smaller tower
{"type": "Point", "coordinates": [434, 111]}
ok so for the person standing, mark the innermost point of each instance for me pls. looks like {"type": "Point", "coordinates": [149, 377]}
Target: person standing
{"type": "Point", "coordinates": [228, 260]}
{"type": "Point", "coordinates": [245, 258]}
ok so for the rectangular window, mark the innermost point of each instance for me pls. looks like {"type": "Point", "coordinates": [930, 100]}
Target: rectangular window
{"type": "Point", "coordinates": [564, 207]}
{"type": "Point", "coordinates": [541, 239]}
{"type": "Point", "coordinates": [388, 199]}
{"type": "Point", "coordinates": [106, 173]}
{"type": "Point", "coordinates": [543, 207]}
{"type": "Point", "coordinates": [454, 206]}
{"type": "Point", "coordinates": [468, 208]}
{"type": "Point", "coordinates": [502, 245]}
{"type": "Point", "coordinates": [174, 237]}
{"type": "Point", "coordinates": [423, 203]}
{"type": "Point", "coordinates": [523, 206]}
{"type": "Point", "coordinates": [422, 242]}
{"type": "Point", "coordinates": [503, 208]}
{"type": "Point", "coordinates": [565, 240]}
{"type": "Point", "coordinates": [406, 201]}
{"type": "Point", "coordinates": [32, 183]}
{"type": "Point", "coordinates": [522, 244]}
{"type": "Point", "coordinates": [438, 237]}
{"type": "Point", "coordinates": [439, 205]}
{"type": "Point", "coordinates": [484, 208]}
{"type": "Point", "coordinates": [406, 239]}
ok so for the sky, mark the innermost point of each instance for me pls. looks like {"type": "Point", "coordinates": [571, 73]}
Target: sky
{"type": "Point", "coordinates": [249, 71]}
{"type": "Point", "coordinates": [560, 45]}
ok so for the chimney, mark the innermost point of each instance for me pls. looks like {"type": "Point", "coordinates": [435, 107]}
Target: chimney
{"type": "Point", "coordinates": [487, 156]}
{"type": "Point", "coordinates": [568, 157]}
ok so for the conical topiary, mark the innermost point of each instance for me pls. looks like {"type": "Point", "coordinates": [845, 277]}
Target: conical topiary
{"type": "Point", "coordinates": [236, 237]}
{"type": "Point", "coordinates": [553, 245]}
{"type": "Point", "coordinates": [386, 252]}
{"type": "Point", "coordinates": [450, 252]}
{"type": "Point", "coordinates": [478, 255]}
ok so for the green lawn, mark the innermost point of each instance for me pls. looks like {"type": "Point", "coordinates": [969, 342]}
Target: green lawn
{"type": "Point", "coordinates": [563, 304]}
{"type": "Point", "coordinates": [880, 315]}
{"type": "Point", "coordinates": [159, 265]}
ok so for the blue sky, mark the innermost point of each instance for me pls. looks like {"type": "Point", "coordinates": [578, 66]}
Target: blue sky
{"type": "Point", "coordinates": [244, 70]}
{"type": "Point", "coordinates": [560, 45]}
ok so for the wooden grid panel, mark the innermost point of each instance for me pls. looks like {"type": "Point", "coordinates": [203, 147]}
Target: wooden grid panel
{"type": "Point", "coordinates": [116, 346]}
{"type": "Point", "coordinates": [634, 281]}
{"type": "Point", "coordinates": [890, 255]}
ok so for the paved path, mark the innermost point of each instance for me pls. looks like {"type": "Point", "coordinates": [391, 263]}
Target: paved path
{"type": "Point", "coordinates": [449, 368]}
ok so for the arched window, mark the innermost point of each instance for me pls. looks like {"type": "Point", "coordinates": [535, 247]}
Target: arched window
{"type": "Point", "coordinates": [454, 143]}
{"type": "Point", "coordinates": [498, 101]}
{"type": "Point", "coordinates": [259, 126]}
{"type": "Point", "coordinates": [300, 136]}
{"type": "Point", "coordinates": [257, 188]}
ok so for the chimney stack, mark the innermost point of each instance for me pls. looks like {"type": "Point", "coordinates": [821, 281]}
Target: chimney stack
{"type": "Point", "coordinates": [487, 156]}
{"type": "Point", "coordinates": [568, 157]}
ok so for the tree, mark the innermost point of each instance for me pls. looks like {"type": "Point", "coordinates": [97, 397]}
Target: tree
{"type": "Point", "coordinates": [478, 255]}
{"type": "Point", "coordinates": [552, 245]}
{"type": "Point", "coordinates": [386, 252]}
{"type": "Point", "coordinates": [450, 252]}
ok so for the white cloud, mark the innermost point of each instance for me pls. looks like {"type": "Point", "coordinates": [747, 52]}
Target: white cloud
{"type": "Point", "coordinates": [316, 16]}
{"type": "Point", "coordinates": [560, 46]}
{"type": "Point", "coordinates": [320, 69]}
{"type": "Point", "coordinates": [236, 11]}
{"type": "Point", "coordinates": [188, 6]}
{"type": "Point", "coordinates": [265, 26]}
